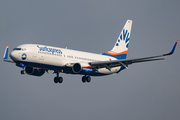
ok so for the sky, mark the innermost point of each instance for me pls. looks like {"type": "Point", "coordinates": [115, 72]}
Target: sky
{"type": "Point", "coordinates": [145, 91]}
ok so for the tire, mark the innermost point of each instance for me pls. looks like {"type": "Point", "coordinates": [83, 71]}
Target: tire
{"type": "Point", "coordinates": [88, 79]}
{"type": "Point", "coordinates": [60, 79]}
{"type": "Point", "coordinates": [56, 80]}
{"type": "Point", "coordinates": [22, 72]}
{"type": "Point", "coordinates": [83, 79]}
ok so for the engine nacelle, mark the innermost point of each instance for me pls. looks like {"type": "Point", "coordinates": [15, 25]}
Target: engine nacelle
{"type": "Point", "coordinates": [34, 71]}
{"type": "Point", "coordinates": [81, 68]}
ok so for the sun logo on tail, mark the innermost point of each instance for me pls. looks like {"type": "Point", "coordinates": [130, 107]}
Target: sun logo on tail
{"type": "Point", "coordinates": [123, 39]}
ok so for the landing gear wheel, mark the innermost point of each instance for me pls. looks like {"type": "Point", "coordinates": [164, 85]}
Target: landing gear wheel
{"type": "Point", "coordinates": [84, 79]}
{"type": "Point", "coordinates": [56, 80]}
{"type": "Point", "coordinates": [60, 79]}
{"type": "Point", "coordinates": [22, 72]}
{"type": "Point", "coordinates": [88, 79]}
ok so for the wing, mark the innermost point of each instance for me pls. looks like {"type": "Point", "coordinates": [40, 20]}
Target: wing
{"type": "Point", "coordinates": [126, 62]}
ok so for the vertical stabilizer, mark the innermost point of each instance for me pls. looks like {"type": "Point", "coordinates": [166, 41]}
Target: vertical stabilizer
{"type": "Point", "coordinates": [120, 48]}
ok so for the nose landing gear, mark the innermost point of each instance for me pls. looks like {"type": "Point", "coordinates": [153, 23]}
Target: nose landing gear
{"type": "Point", "coordinates": [22, 72]}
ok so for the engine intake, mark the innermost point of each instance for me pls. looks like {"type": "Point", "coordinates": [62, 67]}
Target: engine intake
{"type": "Point", "coordinates": [82, 68]}
{"type": "Point", "coordinates": [34, 71]}
{"type": "Point", "coordinates": [77, 68]}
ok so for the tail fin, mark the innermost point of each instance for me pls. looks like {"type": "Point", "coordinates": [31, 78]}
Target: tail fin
{"type": "Point", "coordinates": [120, 48]}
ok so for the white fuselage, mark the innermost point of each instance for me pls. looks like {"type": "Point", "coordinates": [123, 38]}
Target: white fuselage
{"type": "Point", "coordinates": [60, 59]}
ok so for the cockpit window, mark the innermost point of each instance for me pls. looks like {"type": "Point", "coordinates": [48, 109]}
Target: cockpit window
{"type": "Point", "coordinates": [22, 49]}
{"type": "Point", "coordinates": [17, 49]}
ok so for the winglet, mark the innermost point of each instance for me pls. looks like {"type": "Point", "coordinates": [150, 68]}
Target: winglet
{"type": "Point", "coordinates": [6, 53]}
{"type": "Point", "coordinates": [173, 49]}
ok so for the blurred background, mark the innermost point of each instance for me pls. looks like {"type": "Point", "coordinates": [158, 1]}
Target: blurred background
{"type": "Point", "coordinates": [147, 91]}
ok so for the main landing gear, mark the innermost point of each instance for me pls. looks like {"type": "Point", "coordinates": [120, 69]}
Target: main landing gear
{"type": "Point", "coordinates": [58, 79]}
{"type": "Point", "coordinates": [86, 78]}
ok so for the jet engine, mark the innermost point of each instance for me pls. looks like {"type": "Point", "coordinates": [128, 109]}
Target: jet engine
{"type": "Point", "coordinates": [81, 68]}
{"type": "Point", "coordinates": [34, 71]}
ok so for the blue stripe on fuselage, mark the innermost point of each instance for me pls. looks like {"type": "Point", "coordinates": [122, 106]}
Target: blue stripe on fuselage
{"type": "Point", "coordinates": [65, 69]}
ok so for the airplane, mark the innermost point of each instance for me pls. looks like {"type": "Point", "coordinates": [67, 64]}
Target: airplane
{"type": "Point", "coordinates": [36, 59]}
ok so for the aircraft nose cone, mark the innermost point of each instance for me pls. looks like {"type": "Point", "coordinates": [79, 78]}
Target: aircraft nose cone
{"type": "Point", "coordinates": [13, 55]}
